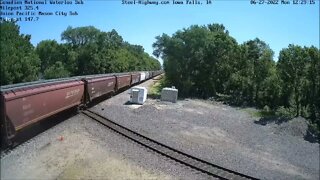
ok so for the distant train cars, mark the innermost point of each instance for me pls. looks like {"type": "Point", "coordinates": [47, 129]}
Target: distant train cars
{"type": "Point", "coordinates": [135, 78]}
{"type": "Point", "coordinates": [97, 86]}
{"type": "Point", "coordinates": [27, 103]}
{"type": "Point", "coordinates": [123, 81]}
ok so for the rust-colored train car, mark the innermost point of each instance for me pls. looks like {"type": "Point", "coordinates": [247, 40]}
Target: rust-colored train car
{"type": "Point", "coordinates": [25, 104]}
{"type": "Point", "coordinates": [135, 78]}
{"type": "Point", "coordinates": [97, 86]}
{"type": "Point", "coordinates": [123, 80]}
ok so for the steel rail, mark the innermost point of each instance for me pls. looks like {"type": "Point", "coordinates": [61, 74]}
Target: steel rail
{"type": "Point", "coordinates": [176, 155]}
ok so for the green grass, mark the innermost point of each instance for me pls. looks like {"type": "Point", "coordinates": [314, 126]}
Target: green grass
{"type": "Point", "coordinates": [155, 90]}
{"type": "Point", "coordinates": [252, 112]}
{"type": "Point", "coordinates": [259, 113]}
{"type": "Point", "coordinates": [266, 114]}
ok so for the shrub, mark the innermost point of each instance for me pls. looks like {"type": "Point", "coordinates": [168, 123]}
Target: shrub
{"type": "Point", "coordinates": [285, 112]}
{"type": "Point", "coordinates": [266, 108]}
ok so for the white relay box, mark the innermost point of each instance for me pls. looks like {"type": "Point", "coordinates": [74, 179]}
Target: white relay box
{"type": "Point", "coordinates": [138, 95]}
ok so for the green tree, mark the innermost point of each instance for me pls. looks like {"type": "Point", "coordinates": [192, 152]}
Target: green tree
{"type": "Point", "coordinates": [19, 62]}
{"type": "Point", "coordinates": [260, 58]}
{"type": "Point", "coordinates": [96, 52]}
{"type": "Point", "coordinates": [198, 60]}
{"type": "Point", "coordinates": [80, 36]}
{"type": "Point", "coordinates": [291, 66]}
{"type": "Point", "coordinates": [49, 51]}
{"type": "Point", "coordinates": [311, 88]}
{"type": "Point", "coordinates": [57, 70]}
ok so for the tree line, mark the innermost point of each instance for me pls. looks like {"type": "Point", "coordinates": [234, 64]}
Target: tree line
{"type": "Point", "coordinates": [86, 50]}
{"type": "Point", "coordinates": [205, 61]}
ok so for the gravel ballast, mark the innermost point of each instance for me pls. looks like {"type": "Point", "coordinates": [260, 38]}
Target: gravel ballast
{"type": "Point", "coordinates": [80, 148]}
{"type": "Point", "coordinates": [224, 135]}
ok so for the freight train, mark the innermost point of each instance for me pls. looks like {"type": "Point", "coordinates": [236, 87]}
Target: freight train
{"type": "Point", "coordinates": [24, 104]}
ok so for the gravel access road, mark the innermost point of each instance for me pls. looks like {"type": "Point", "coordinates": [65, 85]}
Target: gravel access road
{"type": "Point", "coordinates": [224, 135]}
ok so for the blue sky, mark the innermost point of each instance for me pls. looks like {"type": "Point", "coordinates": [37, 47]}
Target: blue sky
{"type": "Point", "coordinates": [277, 25]}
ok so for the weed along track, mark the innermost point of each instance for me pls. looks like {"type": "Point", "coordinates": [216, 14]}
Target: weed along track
{"type": "Point", "coordinates": [176, 155]}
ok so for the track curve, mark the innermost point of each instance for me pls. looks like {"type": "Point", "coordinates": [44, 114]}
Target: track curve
{"type": "Point", "coordinates": [176, 155]}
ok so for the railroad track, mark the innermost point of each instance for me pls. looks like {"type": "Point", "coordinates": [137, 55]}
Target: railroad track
{"type": "Point", "coordinates": [176, 155]}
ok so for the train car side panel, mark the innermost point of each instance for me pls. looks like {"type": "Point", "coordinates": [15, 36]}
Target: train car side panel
{"type": "Point", "coordinates": [27, 106]}
{"type": "Point", "coordinates": [142, 76]}
{"type": "Point", "coordinates": [97, 87]}
{"type": "Point", "coordinates": [123, 80]}
{"type": "Point", "coordinates": [135, 78]}
{"type": "Point", "coordinates": [147, 75]}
